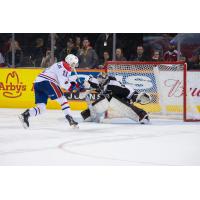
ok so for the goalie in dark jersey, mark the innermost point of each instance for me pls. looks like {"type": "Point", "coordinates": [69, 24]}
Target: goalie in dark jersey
{"type": "Point", "coordinates": [116, 100]}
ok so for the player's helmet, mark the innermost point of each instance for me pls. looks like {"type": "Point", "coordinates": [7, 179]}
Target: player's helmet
{"type": "Point", "coordinates": [72, 60]}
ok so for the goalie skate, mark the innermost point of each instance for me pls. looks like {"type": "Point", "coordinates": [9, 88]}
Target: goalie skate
{"type": "Point", "coordinates": [144, 120]}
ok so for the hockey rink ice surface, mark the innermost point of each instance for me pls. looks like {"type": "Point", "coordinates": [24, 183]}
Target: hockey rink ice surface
{"type": "Point", "coordinates": [50, 141]}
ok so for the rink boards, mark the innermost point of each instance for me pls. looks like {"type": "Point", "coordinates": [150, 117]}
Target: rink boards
{"type": "Point", "coordinates": [16, 90]}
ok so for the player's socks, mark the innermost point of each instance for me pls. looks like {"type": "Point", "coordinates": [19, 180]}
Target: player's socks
{"type": "Point", "coordinates": [34, 111]}
{"type": "Point", "coordinates": [65, 108]}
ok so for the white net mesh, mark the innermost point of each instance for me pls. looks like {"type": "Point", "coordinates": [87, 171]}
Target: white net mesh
{"type": "Point", "coordinates": [193, 96]}
{"type": "Point", "coordinates": [164, 82]}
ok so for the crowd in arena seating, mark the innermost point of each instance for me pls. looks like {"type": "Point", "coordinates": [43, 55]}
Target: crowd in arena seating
{"type": "Point", "coordinates": [90, 56]}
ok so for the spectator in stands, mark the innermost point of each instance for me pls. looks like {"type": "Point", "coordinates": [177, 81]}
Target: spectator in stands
{"type": "Point", "coordinates": [156, 56]}
{"type": "Point", "coordinates": [194, 62]}
{"type": "Point", "coordinates": [46, 60]}
{"type": "Point", "coordinates": [140, 55]}
{"type": "Point", "coordinates": [88, 58]}
{"type": "Point", "coordinates": [172, 53]}
{"type": "Point", "coordinates": [77, 44]}
{"type": "Point", "coordinates": [2, 60]}
{"type": "Point", "coordinates": [69, 49]}
{"type": "Point", "coordinates": [183, 58]}
{"type": "Point", "coordinates": [17, 52]}
{"type": "Point", "coordinates": [56, 46]}
{"type": "Point", "coordinates": [38, 52]}
{"type": "Point", "coordinates": [6, 46]}
{"type": "Point", "coordinates": [106, 57]}
{"type": "Point", "coordinates": [119, 55]}
{"type": "Point", "coordinates": [104, 43]}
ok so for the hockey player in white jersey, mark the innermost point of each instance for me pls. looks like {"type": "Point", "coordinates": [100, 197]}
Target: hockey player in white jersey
{"type": "Point", "coordinates": [48, 85]}
{"type": "Point", "coordinates": [119, 98]}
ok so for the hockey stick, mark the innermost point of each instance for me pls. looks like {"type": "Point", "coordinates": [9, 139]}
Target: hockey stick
{"type": "Point", "coordinates": [76, 74]}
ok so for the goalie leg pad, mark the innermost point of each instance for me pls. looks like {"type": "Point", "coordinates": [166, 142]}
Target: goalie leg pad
{"type": "Point", "coordinates": [101, 105]}
{"type": "Point", "coordinates": [143, 116]}
{"type": "Point", "coordinates": [96, 110]}
{"type": "Point", "coordinates": [119, 108]}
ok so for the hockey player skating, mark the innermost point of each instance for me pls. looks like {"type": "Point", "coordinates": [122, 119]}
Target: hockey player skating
{"type": "Point", "coordinates": [116, 97]}
{"type": "Point", "coordinates": [47, 85]}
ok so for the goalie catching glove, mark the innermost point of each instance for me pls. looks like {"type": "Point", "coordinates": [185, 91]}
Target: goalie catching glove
{"type": "Point", "coordinates": [143, 98]}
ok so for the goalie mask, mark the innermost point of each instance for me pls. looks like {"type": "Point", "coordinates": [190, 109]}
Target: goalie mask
{"type": "Point", "coordinates": [72, 60]}
{"type": "Point", "coordinates": [102, 77]}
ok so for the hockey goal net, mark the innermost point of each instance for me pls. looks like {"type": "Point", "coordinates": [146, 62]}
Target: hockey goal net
{"type": "Point", "coordinates": [175, 92]}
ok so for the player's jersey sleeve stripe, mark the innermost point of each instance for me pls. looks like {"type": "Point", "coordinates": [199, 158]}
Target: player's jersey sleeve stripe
{"type": "Point", "coordinates": [48, 78]}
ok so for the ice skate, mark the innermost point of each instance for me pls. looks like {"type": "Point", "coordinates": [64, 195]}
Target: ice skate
{"type": "Point", "coordinates": [24, 119]}
{"type": "Point", "coordinates": [71, 121]}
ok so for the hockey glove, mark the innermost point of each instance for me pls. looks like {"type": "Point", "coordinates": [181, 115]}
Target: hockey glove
{"type": "Point", "coordinates": [81, 86]}
{"type": "Point", "coordinates": [76, 87]}
{"type": "Point", "coordinates": [73, 87]}
{"type": "Point", "coordinates": [143, 98]}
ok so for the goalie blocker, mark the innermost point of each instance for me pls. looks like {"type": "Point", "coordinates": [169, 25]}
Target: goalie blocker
{"type": "Point", "coordinates": [116, 107]}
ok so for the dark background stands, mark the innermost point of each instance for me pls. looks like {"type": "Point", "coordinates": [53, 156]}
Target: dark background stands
{"type": "Point", "coordinates": [38, 52]}
{"type": "Point", "coordinates": [87, 56]}
{"type": "Point", "coordinates": [106, 57]}
{"type": "Point", "coordinates": [104, 43]}
{"type": "Point", "coordinates": [156, 56]}
{"type": "Point", "coordinates": [18, 55]}
{"type": "Point", "coordinates": [140, 56]}
{"type": "Point", "coordinates": [119, 55]}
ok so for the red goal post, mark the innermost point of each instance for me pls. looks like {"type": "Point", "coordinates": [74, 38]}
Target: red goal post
{"type": "Point", "coordinates": [175, 91]}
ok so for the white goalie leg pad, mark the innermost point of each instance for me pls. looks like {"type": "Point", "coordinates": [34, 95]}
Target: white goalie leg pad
{"type": "Point", "coordinates": [117, 109]}
{"type": "Point", "coordinates": [93, 114]}
{"type": "Point", "coordinates": [98, 110]}
{"type": "Point", "coordinates": [101, 106]}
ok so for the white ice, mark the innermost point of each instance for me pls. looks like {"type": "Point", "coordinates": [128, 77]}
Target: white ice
{"type": "Point", "coordinates": [50, 141]}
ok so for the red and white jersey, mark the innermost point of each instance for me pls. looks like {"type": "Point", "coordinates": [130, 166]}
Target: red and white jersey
{"type": "Point", "coordinates": [59, 73]}
{"type": "Point", "coordinates": [171, 56]}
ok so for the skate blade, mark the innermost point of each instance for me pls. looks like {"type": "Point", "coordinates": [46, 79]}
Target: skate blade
{"type": "Point", "coordinates": [144, 121]}
{"type": "Point", "coordinates": [22, 122]}
{"type": "Point", "coordinates": [75, 126]}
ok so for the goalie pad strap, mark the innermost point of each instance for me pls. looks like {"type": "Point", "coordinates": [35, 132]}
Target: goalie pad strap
{"type": "Point", "coordinates": [85, 114]}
